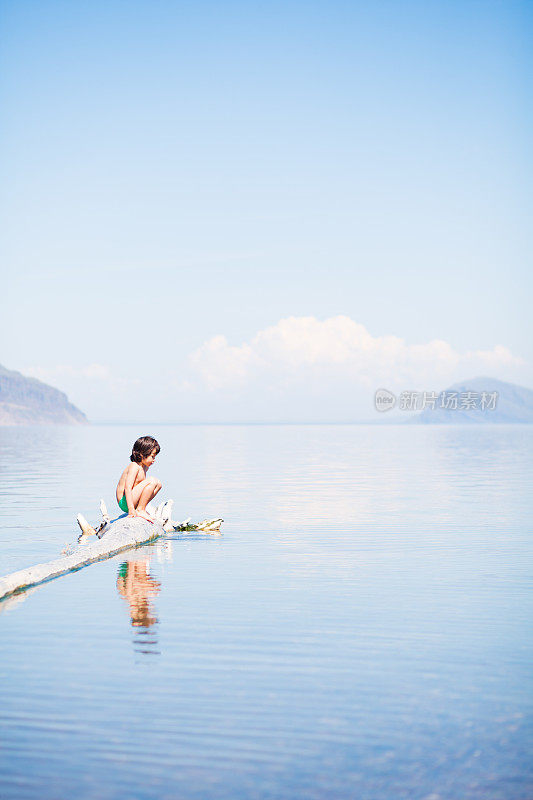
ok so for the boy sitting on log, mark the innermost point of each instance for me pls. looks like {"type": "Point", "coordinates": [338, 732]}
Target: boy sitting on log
{"type": "Point", "coordinates": [135, 489]}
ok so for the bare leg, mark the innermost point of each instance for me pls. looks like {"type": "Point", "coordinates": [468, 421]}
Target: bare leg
{"type": "Point", "coordinates": [147, 494]}
{"type": "Point", "coordinates": [143, 493]}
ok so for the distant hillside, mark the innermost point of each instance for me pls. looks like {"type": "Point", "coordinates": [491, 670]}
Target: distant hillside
{"type": "Point", "coordinates": [513, 404]}
{"type": "Point", "coordinates": [26, 401]}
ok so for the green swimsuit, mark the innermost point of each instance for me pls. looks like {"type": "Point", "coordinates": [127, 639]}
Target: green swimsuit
{"type": "Point", "coordinates": [123, 504]}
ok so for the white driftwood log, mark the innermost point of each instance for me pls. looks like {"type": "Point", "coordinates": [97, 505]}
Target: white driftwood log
{"type": "Point", "coordinates": [112, 537]}
{"type": "Point", "coordinates": [86, 529]}
{"type": "Point", "coordinates": [123, 534]}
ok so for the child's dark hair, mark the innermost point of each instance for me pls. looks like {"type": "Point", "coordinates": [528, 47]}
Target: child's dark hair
{"type": "Point", "coordinates": [143, 447]}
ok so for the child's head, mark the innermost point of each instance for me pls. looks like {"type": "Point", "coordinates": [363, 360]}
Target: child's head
{"type": "Point", "coordinates": [143, 448]}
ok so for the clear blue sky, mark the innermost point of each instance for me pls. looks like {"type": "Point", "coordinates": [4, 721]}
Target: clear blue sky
{"type": "Point", "coordinates": [175, 171]}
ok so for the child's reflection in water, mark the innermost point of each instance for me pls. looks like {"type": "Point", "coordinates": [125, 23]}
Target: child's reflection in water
{"type": "Point", "coordinates": [137, 587]}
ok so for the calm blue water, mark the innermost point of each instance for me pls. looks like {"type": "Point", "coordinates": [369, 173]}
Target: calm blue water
{"type": "Point", "coordinates": [361, 630]}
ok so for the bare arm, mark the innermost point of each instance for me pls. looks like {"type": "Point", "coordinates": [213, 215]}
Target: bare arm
{"type": "Point", "coordinates": [128, 486]}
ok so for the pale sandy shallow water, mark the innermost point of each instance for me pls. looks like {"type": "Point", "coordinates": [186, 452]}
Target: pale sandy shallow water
{"type": "Point", "coordinates": [362, 629]}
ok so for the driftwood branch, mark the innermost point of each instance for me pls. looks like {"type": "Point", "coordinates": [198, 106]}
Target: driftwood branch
{"type": "Point", "coordinates": [112, 537]}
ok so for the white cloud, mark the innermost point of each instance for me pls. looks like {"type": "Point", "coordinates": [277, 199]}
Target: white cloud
{"type": "Point", "coordinates": [340, 351]}
{"type": "Point", "coordinates": [219, 364]}
{"type": "Point", "coordinates": [302, 368]}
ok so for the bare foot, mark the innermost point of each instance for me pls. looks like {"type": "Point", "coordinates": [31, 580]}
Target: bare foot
{"type": "Point", "coordinates": [144, 514]}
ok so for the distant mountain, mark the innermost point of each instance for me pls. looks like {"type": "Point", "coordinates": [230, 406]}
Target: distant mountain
{"type": "Point", "coordinates": [480, 400]}
{"type": "Point", "coordinates": [26, 401]}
